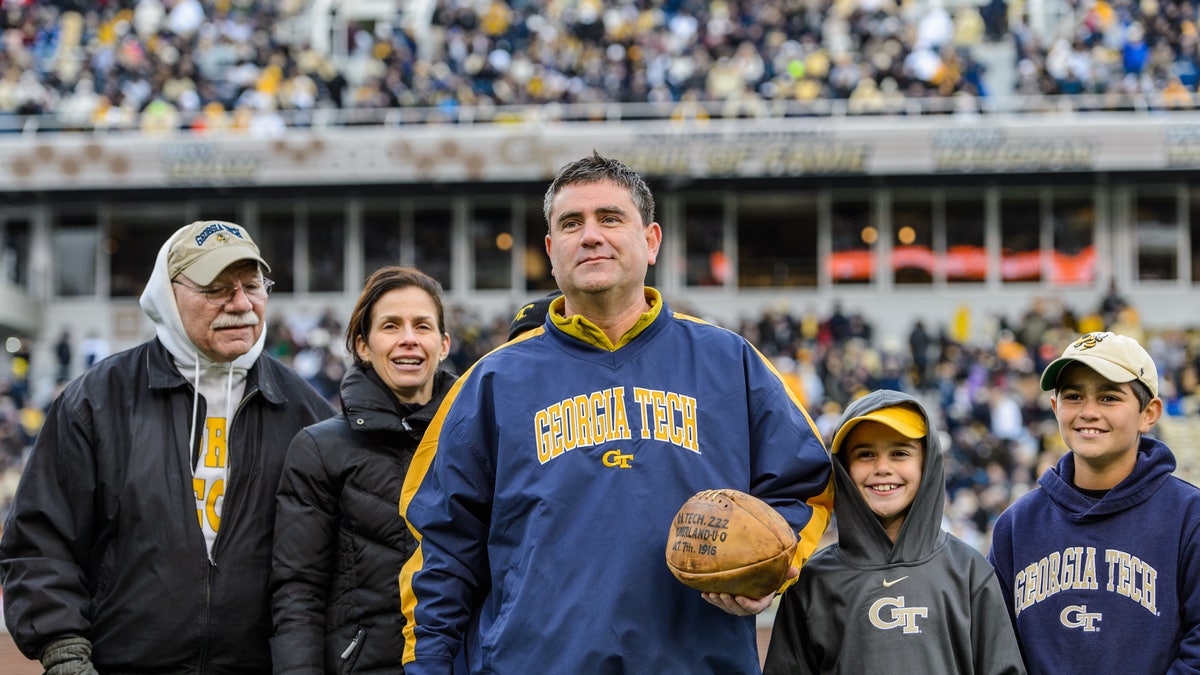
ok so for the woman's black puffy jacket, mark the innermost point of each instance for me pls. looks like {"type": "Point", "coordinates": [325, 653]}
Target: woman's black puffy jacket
{"type": "Point", "coordinates": [339, 537]}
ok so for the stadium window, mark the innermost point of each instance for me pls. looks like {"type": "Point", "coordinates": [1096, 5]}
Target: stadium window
{"type": "Point", "coordinates": [274, 233]}
{"type": "Point", "coordinates": [14, 257]}
{"type": "Point", "coordinates": [326, 247]}
{"type": "Point", "coordinates": [76, 241]}
{"type": "Point", "coordinates": [777, 241]}
{"type": "Point", "coordinates": [707, 262]}
{"type": "Point", "coordinates": [432, 227]}
{"type": "Point", "coordinates": [381, 234]}
{"type": "Point", "coordinates": [913, 258]}
{"type": "Point", "coordinates": [1156, 235]}
{"type": "Point", "coordinates": [536, 262]}
{"type": "Point", "coordinates": [1020, 239]}
{"type": "Point", "coordinates": [492, 237]}
{"type": "Point", "coordinates": [1194, 231]}
{"type": "Point", "coordinates": [855, 240]}
{"type": "Point", "coordinates": [135, 233]}
{"type": "Point", "coordinates": [966, 259]}
{"type": "Point", "coordinates": [1074, 226]}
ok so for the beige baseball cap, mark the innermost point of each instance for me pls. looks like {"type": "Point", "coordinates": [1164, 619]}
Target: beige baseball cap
{"type": "Point", "coordinates": [909, 422]}
{"type": "Point", "coordinates": [206, 247]}
{"type": "Point", "coordinates": [1116, 357]}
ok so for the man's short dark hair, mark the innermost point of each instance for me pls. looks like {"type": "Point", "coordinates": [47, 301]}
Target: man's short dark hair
{"type": "Point", "coordinates": [595, 169]}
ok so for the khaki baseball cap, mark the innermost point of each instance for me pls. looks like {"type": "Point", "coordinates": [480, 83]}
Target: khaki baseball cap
{"type": "Point", "coordinates": [206, 247]}
{"type": "Point", "coordinates": [909, 422]}
{"type": "Point", "coordinates": [1116, 357]}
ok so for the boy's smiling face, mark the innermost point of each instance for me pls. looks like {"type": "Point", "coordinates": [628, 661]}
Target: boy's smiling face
{"type": "Point", "coordinates": [1100, 421]}
{"type": "Point", "coordinates": [886, 467]}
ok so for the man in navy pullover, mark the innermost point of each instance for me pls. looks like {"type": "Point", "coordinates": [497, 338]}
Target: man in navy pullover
{"type": "Point", "coordinates": [545, 489]}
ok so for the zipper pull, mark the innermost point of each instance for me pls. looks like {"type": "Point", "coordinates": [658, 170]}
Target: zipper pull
{"type": "Point", "coordinates": [353, 643]}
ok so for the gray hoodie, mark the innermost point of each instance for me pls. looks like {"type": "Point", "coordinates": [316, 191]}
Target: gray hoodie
{"type": "Point", "coordinates": [927, 603]}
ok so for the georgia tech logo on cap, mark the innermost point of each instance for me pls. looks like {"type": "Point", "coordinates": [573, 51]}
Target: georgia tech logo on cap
{"type": "Point", "coordinates": [1077, 616]}
{"type": "Point", "coordinates": [899, 615]}
{"type": "Point", "coordinates": [221, 231]}
{"type": "Point", "coordinates": [615, 458]}
{"type": "Point", "coordinates": [1088, 341]}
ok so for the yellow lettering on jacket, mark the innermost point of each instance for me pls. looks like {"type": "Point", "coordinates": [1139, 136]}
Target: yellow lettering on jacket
{"type": "Point", "coordinates": [582, 421]}
{"type": "Point", "coordinates": [589, 420]}
{"type": "Point", "coordinates": [1075, 568]}
{"type": "Point", "coordinates": [668, 417]}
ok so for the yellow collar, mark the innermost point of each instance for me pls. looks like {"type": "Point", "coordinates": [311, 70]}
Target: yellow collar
{"type": "Point", "coordinates": [580, 328]}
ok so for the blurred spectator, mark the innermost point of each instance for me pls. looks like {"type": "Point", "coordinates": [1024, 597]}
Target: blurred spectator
{"type": "Point", "coordinates": [93, 349]}
{"type": "Point", "coordinates": [995, 19]}
{"type": "Point", "coordinates": [919, 347]}
{"type": "Point", "coordinates": [63, 352]}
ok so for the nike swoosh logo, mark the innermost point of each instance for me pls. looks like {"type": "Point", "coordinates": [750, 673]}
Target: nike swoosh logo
{"type": "Point", "coordinates": [893, 582]}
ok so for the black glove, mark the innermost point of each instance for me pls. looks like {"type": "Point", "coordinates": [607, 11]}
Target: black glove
{"type": "Point", "coordinates": [69, 656]}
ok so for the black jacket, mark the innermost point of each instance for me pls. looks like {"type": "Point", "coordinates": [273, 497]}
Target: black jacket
{"type": "Point", "coordinates": [340, 540]}
{"type": "Point", "coordinates": [102, 541]}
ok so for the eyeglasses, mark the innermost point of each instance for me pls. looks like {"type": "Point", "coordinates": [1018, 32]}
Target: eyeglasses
{"type": "Point", "coordinates": [220, 295]}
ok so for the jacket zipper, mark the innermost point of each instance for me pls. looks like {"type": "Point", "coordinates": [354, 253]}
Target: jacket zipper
{"type": "Point", "coordinates": [212, 558]}
{"type": "Point", "coordinates": [208, 584]}
{"type": "Point", "coordinates": [353, 644]}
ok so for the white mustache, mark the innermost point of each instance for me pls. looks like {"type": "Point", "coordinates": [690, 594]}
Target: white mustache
{"type": "Point", "coordinates": [248, 318]}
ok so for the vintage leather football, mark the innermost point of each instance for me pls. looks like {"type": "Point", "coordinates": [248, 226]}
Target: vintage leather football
{"type": "Point", "coordinates": [726, 541]}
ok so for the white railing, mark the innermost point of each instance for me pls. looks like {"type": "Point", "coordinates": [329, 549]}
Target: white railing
{"type": "Point", "coordinates": [690, 111]}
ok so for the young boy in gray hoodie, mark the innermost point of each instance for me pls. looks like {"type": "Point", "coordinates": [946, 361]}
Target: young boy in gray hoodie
{"type": "Point", "coordinates": [896, 593]}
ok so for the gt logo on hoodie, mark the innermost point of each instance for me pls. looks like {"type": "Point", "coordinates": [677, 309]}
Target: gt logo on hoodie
{"type": "Point", "coordinates": [889, 613]}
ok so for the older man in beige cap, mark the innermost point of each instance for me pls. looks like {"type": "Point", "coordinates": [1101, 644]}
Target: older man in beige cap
{"type": "Point", "coordinates": [220, 290]}
{"type": "Point", "coordinates": [140, 535]}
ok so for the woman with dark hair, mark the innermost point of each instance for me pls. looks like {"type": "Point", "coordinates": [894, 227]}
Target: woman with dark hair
{"type": "Point", "coordinates": [339, 538]}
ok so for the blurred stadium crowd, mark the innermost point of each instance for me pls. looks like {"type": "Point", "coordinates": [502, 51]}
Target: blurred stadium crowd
{"type": "Point", "coordinates": [980, 373]}
{"type": "Point", "coordinates": [169, 64]}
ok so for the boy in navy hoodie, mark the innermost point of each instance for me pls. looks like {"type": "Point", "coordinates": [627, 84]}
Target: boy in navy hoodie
{"type": "Point", "coordinates": [1101, 566]}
